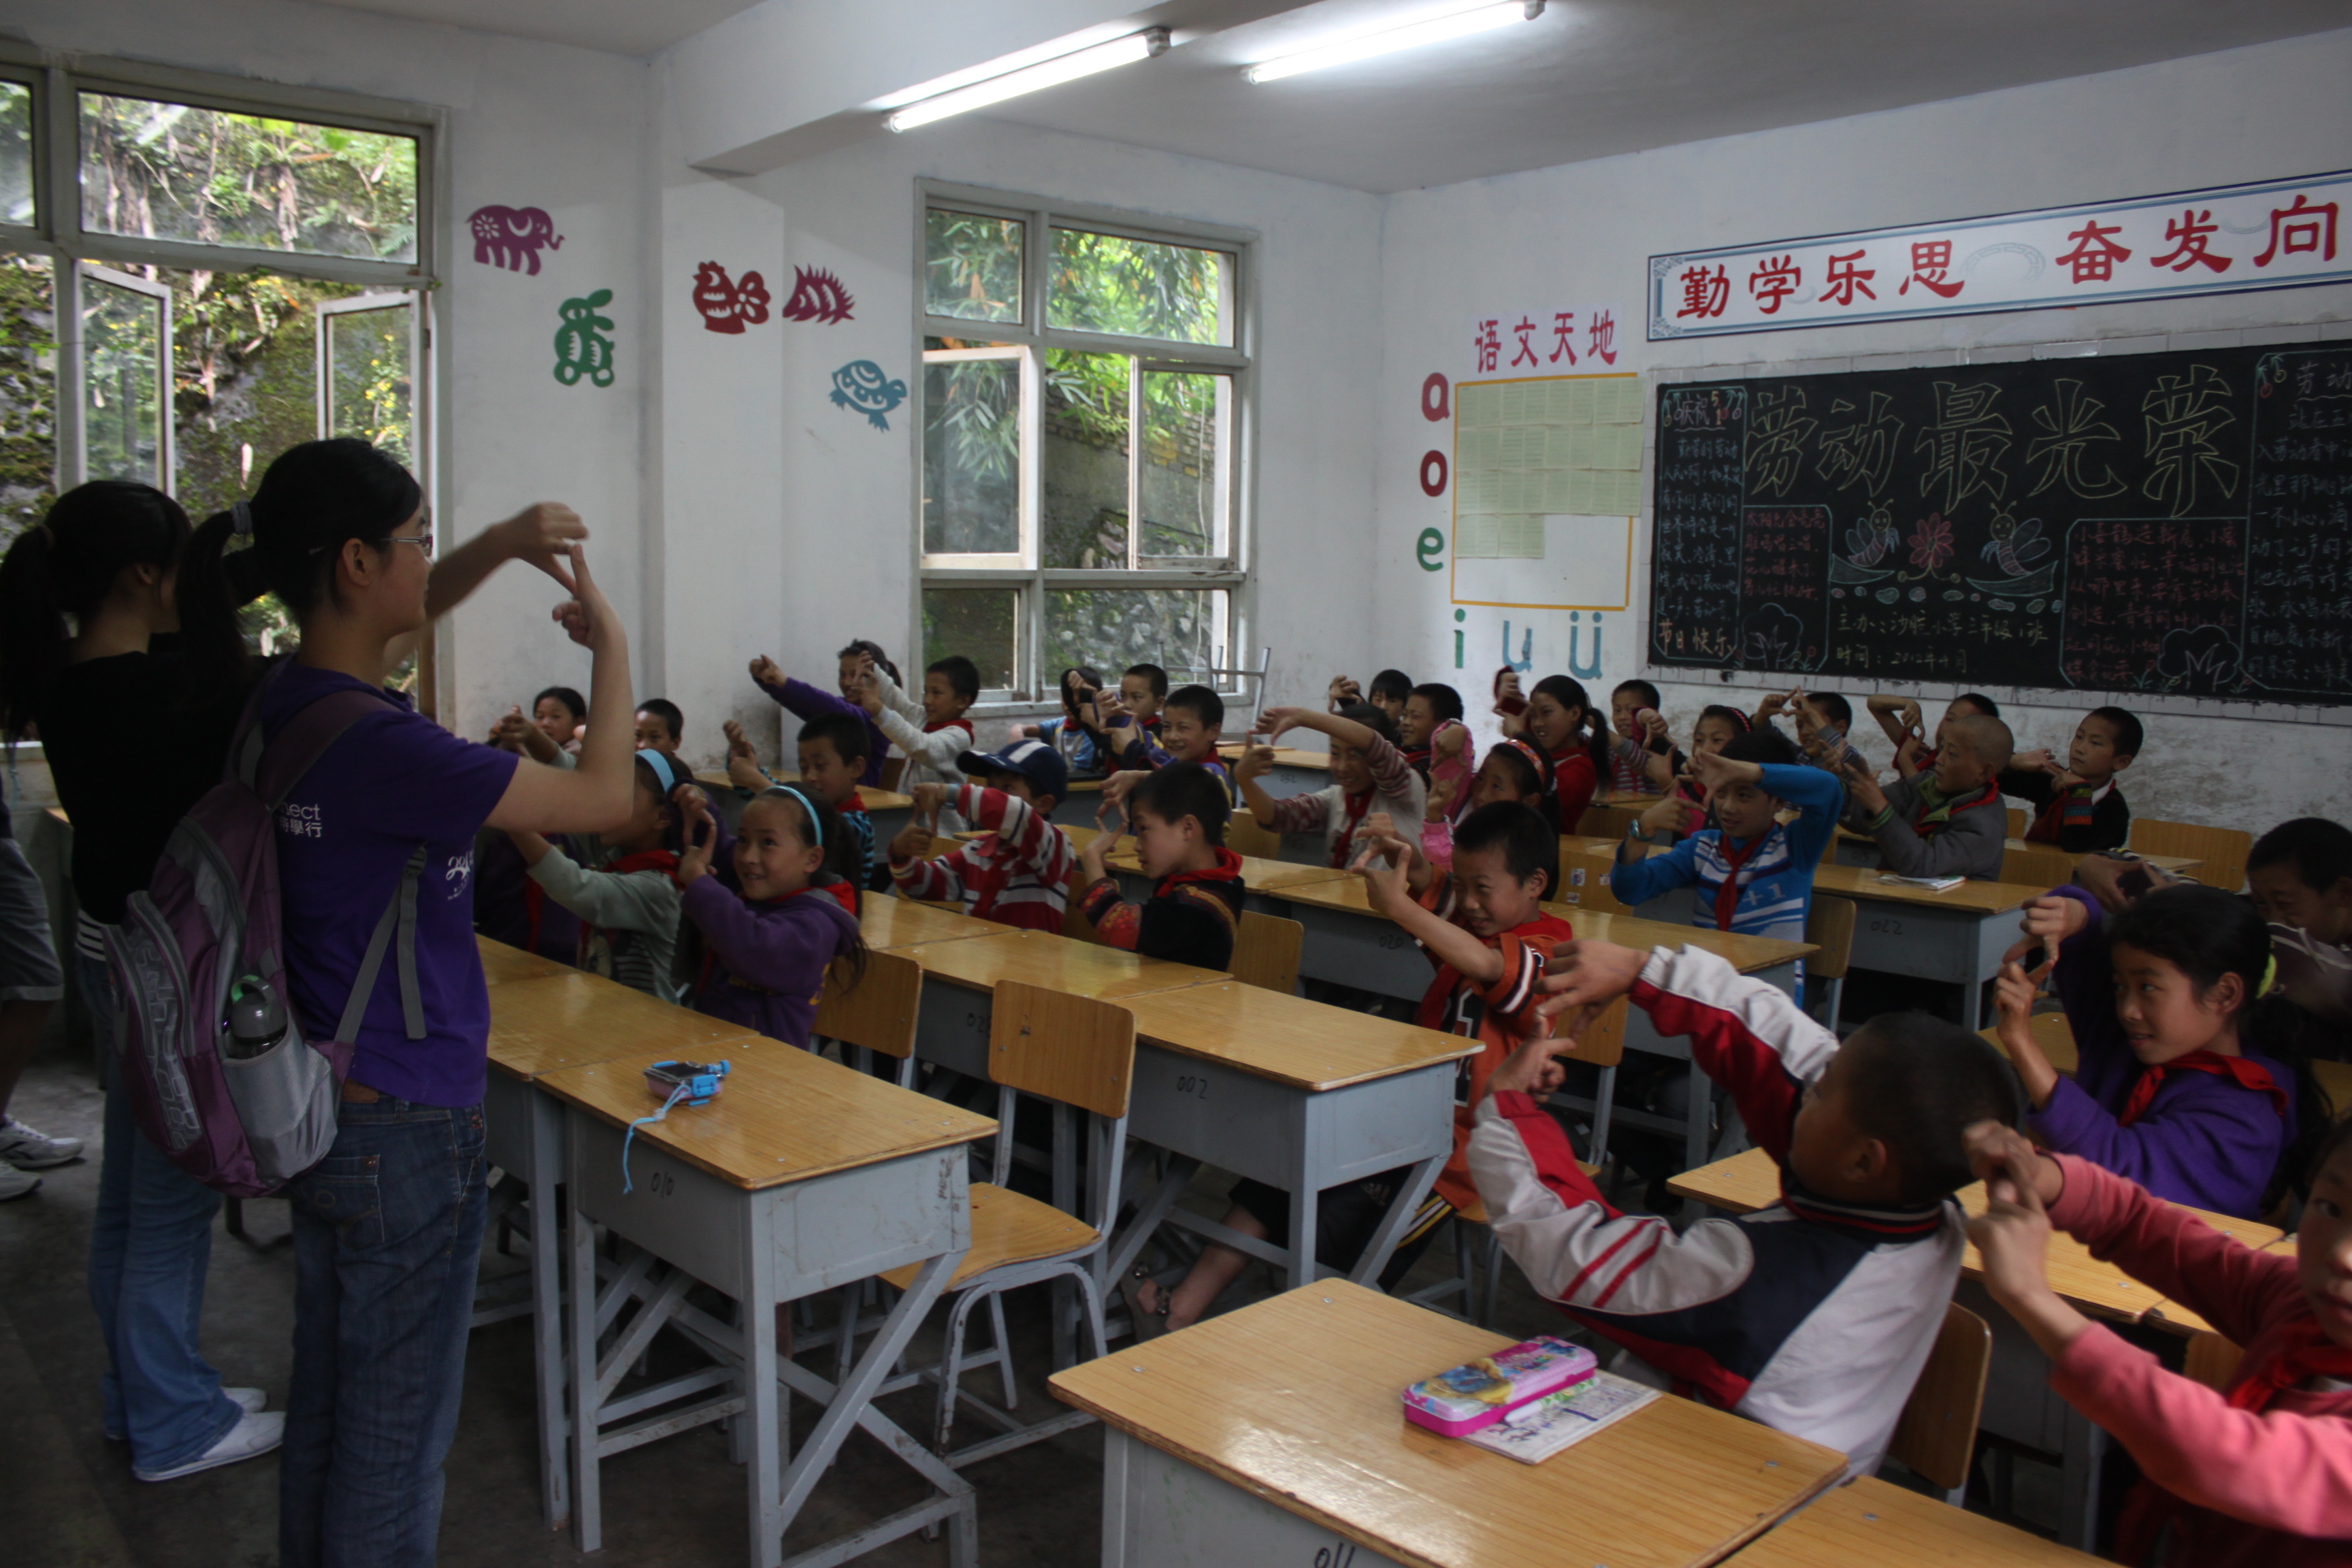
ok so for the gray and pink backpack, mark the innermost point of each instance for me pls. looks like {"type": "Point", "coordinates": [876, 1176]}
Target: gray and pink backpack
{"type": "Point", "coordinates": [207, 1043]}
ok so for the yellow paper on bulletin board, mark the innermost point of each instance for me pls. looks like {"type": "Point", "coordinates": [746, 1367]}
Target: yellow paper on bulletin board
{"type": "Point", "coordinates": [1547, 486]}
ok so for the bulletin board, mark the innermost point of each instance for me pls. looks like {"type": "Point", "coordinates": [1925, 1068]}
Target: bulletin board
{"type": "Point", "coordinates": [1547, 478]}
{"type": "Point", "coordinates": [2172, 522]}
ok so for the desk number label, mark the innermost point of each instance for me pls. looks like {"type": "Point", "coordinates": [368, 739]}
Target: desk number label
{"type": "Point", "coordinates": [1886, 923]}
{"type": "Point", "coordinates": [1198, 1087]}
{"type": "Point", "coordinates": [1394, 941]}
{"type": "Point", "coordinates": [1341, 1556]}
{"type": "Point", "coordinates": [661, 1183]}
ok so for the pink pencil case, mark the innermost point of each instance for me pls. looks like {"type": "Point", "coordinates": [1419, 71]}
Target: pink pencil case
{"type": "Point", "coordinates": [1478, 1393]}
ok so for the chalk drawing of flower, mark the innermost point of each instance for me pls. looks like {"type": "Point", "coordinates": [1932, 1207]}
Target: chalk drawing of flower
{"type": "Point", "coordinates": [1931, 546]}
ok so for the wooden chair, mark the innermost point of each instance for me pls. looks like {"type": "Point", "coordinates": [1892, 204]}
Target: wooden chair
{"type": "Point", "coordinates": [1266, 951]}
{"type": "Point", "coordinates": [1075, 924]}
{"type": "Point", "coordinates": [2222, 850]}
{"type": "Point", "coordinates": [2050, 1032]}
{"type": "Point", "coordinates": [2211, 1360]}
{"type": "Point", "coordinates": [1245, 836]}
{"type": "Point", "coordinates": [1828, 925]}
{"type": "Point", "coordinates": [876, 1015]}
{"type": "Point", "coordinates": [1603, 1046]}
{"type": "Point", "coordinates": [2038, 866]}
{"type": "Point", "coordinates": [2016, 822]}
{"type": "Point", "coordinates": [2335, 1082]}
{"type": "Point", "coordinates": [1937, 1435]}
{"type": "Point", "coordinates": [1079, 1053]}
{"type": "Point", "coordinates": [893, 770]}
{"type": "Point", "coordinates": [1584, 881]}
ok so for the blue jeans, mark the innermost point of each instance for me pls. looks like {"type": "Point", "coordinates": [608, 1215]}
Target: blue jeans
{"type": "Point", "coordinates": [387, 1239]}
{"type": "Point", "coordinates": [149, 1249]}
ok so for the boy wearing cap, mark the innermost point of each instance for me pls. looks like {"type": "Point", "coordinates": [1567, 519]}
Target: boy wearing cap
{"type": "Point", "coordinates": [1020, 874]}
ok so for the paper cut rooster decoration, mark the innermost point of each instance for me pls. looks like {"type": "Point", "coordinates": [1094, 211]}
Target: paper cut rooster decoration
{"type": "Point", "coordinates": [726, 305]}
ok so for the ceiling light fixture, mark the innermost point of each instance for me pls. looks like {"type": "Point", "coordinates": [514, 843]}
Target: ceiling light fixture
{"type": "Point", "coordinates": [1142, 45]}
{"type": "Point", "coordinates": [1435, 30]}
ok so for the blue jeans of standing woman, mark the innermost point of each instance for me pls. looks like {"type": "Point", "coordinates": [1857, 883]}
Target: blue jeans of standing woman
{"type": "Point", "coordinates": [387, 1238]}
{"type": "Point", "coordinates": [149, 1249]}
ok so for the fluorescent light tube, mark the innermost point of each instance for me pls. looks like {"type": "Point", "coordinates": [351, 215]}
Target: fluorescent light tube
{"type": "Point", "coordinates": [1124, 51]}
{"type": "Point", "coordinates": [1435, 31]}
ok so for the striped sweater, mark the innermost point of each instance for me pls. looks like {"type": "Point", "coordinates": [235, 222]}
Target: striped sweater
{"type": "Point", "coordinates": [1018, 876]}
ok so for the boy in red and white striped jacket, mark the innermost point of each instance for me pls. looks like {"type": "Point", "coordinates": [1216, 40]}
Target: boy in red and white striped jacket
{"type": "Point", "coordinates": [1020, 874]}
{"type": "Point", "coordinates": [1813, 1315]}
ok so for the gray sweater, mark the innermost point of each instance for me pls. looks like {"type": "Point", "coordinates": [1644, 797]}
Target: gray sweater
{"type": "Point", "coordinates": [628, 920]}
{"type": "Point", "coordinates": [1970, 842]}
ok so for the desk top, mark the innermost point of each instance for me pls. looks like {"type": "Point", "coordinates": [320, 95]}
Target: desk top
{"type": "Point", "coordinates": [1630, 799]}
{"type": "Point", "coordinates": [1747, 1181]}
{"type": "Point", "coordinates": [1056, 962]}
{"type": "Point", "coordinates": [876, 797]}
{"type": "Point", "coordinates": [502, 962]}
{"type": "Point", "coordinates": [2179, 863]}
{"type": "Point", "coordinates": [1296, 1401]}
{"type": "Point", "coordinates": [1273, 1034]}
{"type": "Point", "coordinates": [1259, 875]}
{"type": "Point", "coordinates": [1972, 895]}
{"type": "Point", "coordinates": [786, 1114]}
{"type": "Point", "coordinates": [539, 1026]}
{"type": "Point", "coordinates": [2051, 1032]}
{"type": "Point", "coordinates": [1286, 757]}
{"type": "Point", "coordinates": [890, 923]}
{"type": "Point", "coordinates": [1875, 1521]}
{"type": "Point", "coordinates": [1746, 953]}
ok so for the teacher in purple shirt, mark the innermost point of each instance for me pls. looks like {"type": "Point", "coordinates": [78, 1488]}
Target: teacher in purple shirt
{"type": "Point", "coordinates": [388, 1227]}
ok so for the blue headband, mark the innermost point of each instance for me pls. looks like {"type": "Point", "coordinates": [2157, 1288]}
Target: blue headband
{"type": "Point", "coordinates": [664, 769]}
{"type": "Point", "coordinates": [816, 824]}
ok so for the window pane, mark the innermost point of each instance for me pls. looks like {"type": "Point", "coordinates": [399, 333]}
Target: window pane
{"type": "Point", "coordinates": [15, 153]}
{"type": "Point", "coordinates": [245, 377]}
{"type": "Point", "coordinates": [1182, 629]}
{"type": "Point", "coordinates": [29, 381]}
{"type": "Point", "coordinates": [1102, 283]}
{"type": "Point", "coordinates": [981, 624]}
{"type": "Point", "coordinates": [1086, 459]}
{"type": "Point", "coordinates": [1185, 421]}
{"type": "Point", "coordinates": [205, 176]}
{"type": "Point", "coordinates": [972, 456]}
{"type": "Point", "coordinates": [972, 265]}
{"type": "Point", "coordinates": [122, 348]}
{"type": "Point", "coordinates": [369, 393]}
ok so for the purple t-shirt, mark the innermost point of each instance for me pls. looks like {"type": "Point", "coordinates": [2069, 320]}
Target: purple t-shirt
{"type": "Point", "coordinates": [392, 780]}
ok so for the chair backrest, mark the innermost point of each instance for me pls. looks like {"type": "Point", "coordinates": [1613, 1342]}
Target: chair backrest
{"type": "Point", "coordinates": [1607, 822]}
{"type": "Point", "coordinates": [2221, 850]}
{"type": "Point", "coordinates": [2051, 1033]}
{"type": "Point", "coordinates": [1266, 951]}
{"type": "Point", "coordinates": [1071, 1049]}
{"type": "Point", "coordinates": [1937, 1435]}
{"type": "Point", "coordinates": [1245, 836]}
{"type": "Point", "coordinates": [1584, 881]}
{"type": "Point", "coordinates": [2211, 1359]}
{"type": "Point", "coordinates": [2038, 866]}
{"type": "Point", "coordinates": [2016, 822]}
{"type": "Point", "coordinates": [1828, 925]}
{"type": "Point", "coordinates": [1602, 1044]}
{"type": "Point", "coordinates": [893, 768]}
{"type": "Point", "coordinates": [1075, 924]}
{"type": "Point", "coordinates": [878, 1012]}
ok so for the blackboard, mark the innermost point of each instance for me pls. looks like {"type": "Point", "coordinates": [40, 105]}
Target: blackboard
{"type": "Point", "coordinates": [2170, 523]}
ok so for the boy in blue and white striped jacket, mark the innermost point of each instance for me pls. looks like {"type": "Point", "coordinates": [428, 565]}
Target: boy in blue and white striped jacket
{"type": "Point", "coordinates": [1752, 873]}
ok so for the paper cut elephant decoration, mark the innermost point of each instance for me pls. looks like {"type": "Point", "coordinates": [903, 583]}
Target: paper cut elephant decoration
{"type": "Point", "coordinates": [510, 236]}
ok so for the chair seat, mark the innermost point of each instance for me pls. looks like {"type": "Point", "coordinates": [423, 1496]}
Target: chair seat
{"type": "Point", "coordinates": [1007, 1227]}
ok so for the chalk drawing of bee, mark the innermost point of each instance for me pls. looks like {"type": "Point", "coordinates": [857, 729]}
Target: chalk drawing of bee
{"type": "Point", "coordinates": [2017, 545]}
{"type": "Point", "coordinates": [1872, 540]}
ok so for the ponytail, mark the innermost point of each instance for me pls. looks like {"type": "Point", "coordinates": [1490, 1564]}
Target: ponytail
{"type": "Point", "coordinates": [59, 571]}
{"type": "Point", "coordinates": [1569, 692]}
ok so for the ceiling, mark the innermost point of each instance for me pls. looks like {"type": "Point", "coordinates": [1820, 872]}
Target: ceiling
{"type": "Point", "coordinates": [1589, 79]}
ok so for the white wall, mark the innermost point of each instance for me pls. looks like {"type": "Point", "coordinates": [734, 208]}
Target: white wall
{"type": "Point", "coordinates": [785, 523]}
{"type": "Point", "coordinates": [1584, 232]}
{"type": "Point", "coordinates": [528, 124]}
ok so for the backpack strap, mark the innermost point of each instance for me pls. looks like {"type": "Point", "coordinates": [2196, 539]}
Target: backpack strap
{"type": "Point", "coordinates": [399, 918]}
{"type": "Point", "coordinates": [271, 767]}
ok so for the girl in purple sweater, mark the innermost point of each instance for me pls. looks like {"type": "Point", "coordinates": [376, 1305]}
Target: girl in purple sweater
{"type": "Point", "coordinates": [2184, 1085]}
{"type": "Point", "coordinates": [777, 912]}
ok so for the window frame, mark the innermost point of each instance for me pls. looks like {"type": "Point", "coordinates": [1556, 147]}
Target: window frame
{"type": "Point", "coordinates": [1030, 338]}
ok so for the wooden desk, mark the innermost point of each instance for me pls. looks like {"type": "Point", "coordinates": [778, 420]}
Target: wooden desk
{"type": "Point", "coordinates": [1872, 1521]}
{"type": "Point", "coordinates": [1628, 799]}
{"type": "Point", "coordinates": [2050, 1032]}
{"type": "Point", "coordinates": [1956, 936]}
{"type": "Point", "coordinates": [1295, 1094]}
{"type": "Point", "coordinates": [802, 1177]}
{"type": "Point", "coordinates": [1862, 850]}
{"type": "Point", "coordinates": [502, 962]}
{"type": "Point", "coordinates": [1274, 1435]}
{"type": "Point", "coordinates": [891, 923]}
{"type": "Point", "coordinates": [541, 1022]}
{"type": "Point", "coordinates": [1295, 772]}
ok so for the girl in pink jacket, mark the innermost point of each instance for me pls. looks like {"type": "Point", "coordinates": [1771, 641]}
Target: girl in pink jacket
{"type": "Point", "coordinates": [2259, 1474]}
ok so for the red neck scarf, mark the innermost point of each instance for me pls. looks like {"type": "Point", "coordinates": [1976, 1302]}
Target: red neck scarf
{"type": "Point", "coordinates": [1228, 868]}
{"type": "Point", "coordinates": [644, 860]}
{"type": "Point", "coordinates": [964, 724]}
{"type": "Point", "coordinates": [2249, 1075]}
{"type": "Point", "coordinates": [1343, 848]}
{"type": "Point", "coordinates": [1937, 820]}
{"type": "Point", "coordinates": [1727, 896]}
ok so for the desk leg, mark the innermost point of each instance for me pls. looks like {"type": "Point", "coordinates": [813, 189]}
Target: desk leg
{"type": "Point", "coordinates": [587, 1496]}
{"type": "Point", "coordinates": [1305, 1208]}
{"type": "Point", "coordinates": [2078, 1499]}
{"type": "Point", "coordinates": [1401, 1208]}
{"type": "Point", "coordinates": [1146, 1223]}
{"type": "Point", "coordinates": [761, 1408]}
{"type": "Point", "coordinates": [546, 1175]}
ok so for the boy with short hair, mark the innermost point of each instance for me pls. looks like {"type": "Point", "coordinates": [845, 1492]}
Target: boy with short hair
{"type": "Point", "coordinates": [1020, 874]}
{"type": "Point", "coordinates": [2078, 807]}
{"type": "Point", "coordinates": [951, 685]}
{"type": "Point", "coordinates": [1752, 873]}
{"type": "Point", "coordinates": [1813, 1315]}
{"type": "Point", "coordinates": [2300, 875]}
{"type": "Point", "coordinates": [1391, 691]}
{"type": "Point", "coordinates": [832, 755]}
{"type": "Point", "coordinates": [1367, 774]}
{"type": "Point", "coordinates": [805, 701]}
{"type": "Point", "coordinates": [1822, 719]}
{"type": "Point", "coordinates": [661, 727]}
{"type": "Point", "coordinates": [1177, 814]}
{"type": "Point", "coordinates": [1142, 689]}
{"type": "Point", "coordinates": [1483, 925]}
{"type": "Point", "coordinates": [1947, 821]}
{"type": "Point", "coordinates": [1191, 720]}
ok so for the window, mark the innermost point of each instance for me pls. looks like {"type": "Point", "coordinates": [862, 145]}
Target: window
{"type": "Point", "coordinates": [1084, 387]}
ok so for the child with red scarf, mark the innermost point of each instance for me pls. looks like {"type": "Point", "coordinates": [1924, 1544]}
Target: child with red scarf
{"type": "Point", "coordinates": [2256, 1475]}
{"type": "Point", "coordinates": [1946, 822]}
{"type": "Point", "coordinates": [1019, 875]}
{"type": "Point", "coordinates": [628, 908]}
{"type": "Point", "coordinates": [1369, 774]}
{"type": "Point", "coordinates": [774, 914]}
{"type": "Point", "coordinates": [1178, 815]}
{"type": "Point", "coordinates": [2078, 807]}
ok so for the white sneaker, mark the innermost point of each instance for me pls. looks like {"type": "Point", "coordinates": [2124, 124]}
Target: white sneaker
{"type": "Point", "coordinates": [256, 1433]}
{"type": "Point", "coordinates": [16, 1184]}
{"type": "Point", "coordinates": [245, 1399]}
{"type": "Point", "coordinates": [30, 1149]}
